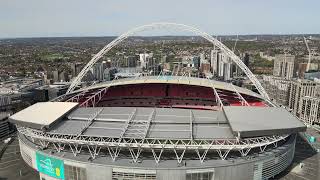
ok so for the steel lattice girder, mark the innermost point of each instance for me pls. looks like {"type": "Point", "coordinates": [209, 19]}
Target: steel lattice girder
{"type": "Point", "coordinates": [213, 144]}
{"type": "Point", "coordinates": [135, 152]}
{"type": "Point", "coordinates": [95, 98]}
{"type": "Point", "coordinates": [137, 146]}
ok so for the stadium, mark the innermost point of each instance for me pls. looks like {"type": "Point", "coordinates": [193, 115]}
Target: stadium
{"type": "Point", "coordinates": [158, 127]}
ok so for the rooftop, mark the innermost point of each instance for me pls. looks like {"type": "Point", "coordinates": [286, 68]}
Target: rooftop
{"type": "Point", "coordinates": [42, 114]}
{"type": "Point", "coordinates": [249, 121]}
{"type": "Point", "coordinates": [175, 80]}
{"type": "Point", "coordinates": [159, 123]}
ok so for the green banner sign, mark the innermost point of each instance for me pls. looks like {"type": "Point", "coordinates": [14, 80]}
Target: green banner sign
{"type": "Point", "coordinates": [50, 166]}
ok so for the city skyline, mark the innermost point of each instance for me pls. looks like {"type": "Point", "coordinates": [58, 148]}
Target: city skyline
{"type": "Point", "coordinates": [107, 18]}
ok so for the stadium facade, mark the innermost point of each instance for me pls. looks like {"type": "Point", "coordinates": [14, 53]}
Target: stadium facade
{"type": "Point", "coordinates": [158, 127]}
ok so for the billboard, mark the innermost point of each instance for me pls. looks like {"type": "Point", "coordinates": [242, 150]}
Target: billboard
{"type": "Point", "coordinates": [50, 166]}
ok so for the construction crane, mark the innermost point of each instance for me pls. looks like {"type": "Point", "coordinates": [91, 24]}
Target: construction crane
{"type": "Point", "coordinates": [309, 51]}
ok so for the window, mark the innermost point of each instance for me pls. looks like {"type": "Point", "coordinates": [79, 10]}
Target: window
{"type": "Point", "coordinates": [132, 176]}
{"type": "Point", "coordinates": [74, 173]}
{"type": "Point", "coordinates": [200, 176]}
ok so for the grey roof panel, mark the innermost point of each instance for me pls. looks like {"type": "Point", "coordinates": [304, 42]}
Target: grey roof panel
{"type": "Point", "coordinates": [71, 127]}
{"type": "Point", "coordinates": [113, 116]}
{"type": "Point", "coordinates": [83, 113]}
{"type": "Point", "coordinates": [169, 127]}
{"type": "Point", "coordinates": [207, 131]}
{"type": "Point", "coordinates": [261, 121]}
{"type": "Point", "coordinates": [167, 122]}
{"type": "Point", "coordinates": [43, 114]}
{"type": "Point", "coordinates": [170, 111]}
{"type": "Point", "coordinates": [175, 123]}
{"type": "Point", "coordinates": [108, 124]}
{"type": "Point", "coordinates": [103, 132]}
{"type": "Point", "coordinates": [144, 111]}
{"type": "Point", "coordinates": [169, 135]}
{"type": "Point", "coordinates": [171, 119]}
{"type": "Point", "coordinates": [142, 117]}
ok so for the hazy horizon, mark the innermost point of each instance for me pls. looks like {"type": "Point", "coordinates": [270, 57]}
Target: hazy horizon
{"type": "Point", "coordinates": [96, 18]}
{"type": "Point", "coordinates": [162, 36]}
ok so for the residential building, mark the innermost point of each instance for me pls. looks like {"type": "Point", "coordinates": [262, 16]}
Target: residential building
{"type": "Point", "coordinates": [214, 61]}
{"type": "Point", "coordinates": [277, 89]}
{"type": "Point", "coordinates": [55, 76]}
{"type": "Point", "coordinates": [98, 70]}
{"type": "Point", "coordinates": [75, 69]}
{"type": "Point", "coordinates": [205, 67]}
{"type": "Point", "coordinates": [299, 89]}
{"type": "Point", "coordinates": [144, 59]}
{"type": "Point", "coordinates": [310, 110]}
{"type": "Point", "coordinates": [131, 61]}
{"type": "Point", "coordinates": [196, 62]}
{"type": "Point", "coordinates": [227, 75]}
{"type": "Point", "coordinates": [283, 66]}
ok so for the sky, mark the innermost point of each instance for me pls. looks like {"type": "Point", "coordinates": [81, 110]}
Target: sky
{"type": "Point", "coordinates": [52, 18]}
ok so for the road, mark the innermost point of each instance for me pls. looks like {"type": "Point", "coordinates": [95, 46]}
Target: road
{"type": "Point", "coordinates": [12, 166]}
{"type": "Point", "coordinates": [304, 153]}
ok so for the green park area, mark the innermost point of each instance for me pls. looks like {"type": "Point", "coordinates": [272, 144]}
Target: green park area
{"type": "Point", "coordinates": [52, 57]}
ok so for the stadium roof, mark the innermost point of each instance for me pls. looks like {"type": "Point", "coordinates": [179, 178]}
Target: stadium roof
{"type": "Point", "coordinates": [159, 123]}
{"type": "Point", "coordinates": [42, 114]}
{"type": "Point", "coordinates": [249, 121]}
{"type": "Point", "coordinates": [175, 80]}
{"type": "Point", "coordinates": [131, 122]}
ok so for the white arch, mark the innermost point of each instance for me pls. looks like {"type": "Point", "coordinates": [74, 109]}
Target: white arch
{"type": "Point", "coordinates": [182, 27]}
